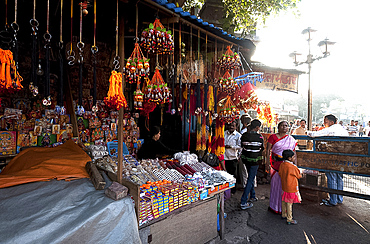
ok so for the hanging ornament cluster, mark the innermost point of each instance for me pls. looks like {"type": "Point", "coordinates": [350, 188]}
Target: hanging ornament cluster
{"type": "Point", "coordinates": [228, 111]}
{"type": "Point", "coordinates": [229, 60]}
{"type": "Point", "coordinates": [156, 39]}
{"type": "Point", "coordinates": [156, 90]}
{"type": "Point", "coordinates": [246, 98]}
{"type": "Point", "coordinates": [138, 99]}
{"type": "Point", "coordinates": [10, 79]}
{"type": "Point", "coordinates": [137, 66]}
{"type": "Point", "coordinates": [227, 83]}
{"type": "Point", "coordinates": [115, 98]}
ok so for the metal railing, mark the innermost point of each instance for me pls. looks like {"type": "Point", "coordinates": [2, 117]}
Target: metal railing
{"type": "Point", "coordinates": [349, 156]}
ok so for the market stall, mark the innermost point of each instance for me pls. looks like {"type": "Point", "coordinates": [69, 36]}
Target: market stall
{"type": "Point", "coordinates": [179, 73]}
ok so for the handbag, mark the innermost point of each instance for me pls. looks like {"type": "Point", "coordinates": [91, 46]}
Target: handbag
{"type": "Point", "coordinates": [211, 159]}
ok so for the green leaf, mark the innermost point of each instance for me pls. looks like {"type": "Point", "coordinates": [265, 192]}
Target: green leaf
{"type": "Point", "coordinates": [151, 26]}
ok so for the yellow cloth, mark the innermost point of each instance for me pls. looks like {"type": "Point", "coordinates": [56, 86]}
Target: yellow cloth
{"type": "Point", "coordinates": [65, 162]}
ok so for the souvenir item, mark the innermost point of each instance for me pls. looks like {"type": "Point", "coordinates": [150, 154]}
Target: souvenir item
{"type": "Point", "coordinates": [229, 60]}
{"type": "Point", "coordinates": [228, 111]}
{"type": "Point", "coordinates": [9, 76]}
{"type": "Point", "coordinates": [227, 83]}
{"type": "Point", "coordinates": [156, 91]}
{"type": "Point", "coordinates": [156, 39]}
{"type": "Point", "coordinates": [137, 66]}
{"type": "Point", "coordinates": [7, 142]}
{"type": "Point", "coordinates": [115, 98]}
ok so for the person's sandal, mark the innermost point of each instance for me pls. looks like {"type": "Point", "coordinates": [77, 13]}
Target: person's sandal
{"type": "Point", "coordinates": [293, 222]}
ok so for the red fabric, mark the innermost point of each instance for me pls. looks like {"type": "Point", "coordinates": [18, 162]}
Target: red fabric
{"type": "Point", "coordinates": [291, 197]}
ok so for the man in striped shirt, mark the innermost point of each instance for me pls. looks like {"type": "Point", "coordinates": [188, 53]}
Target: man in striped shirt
{"type": "Point", "coordinates": [252, 147]}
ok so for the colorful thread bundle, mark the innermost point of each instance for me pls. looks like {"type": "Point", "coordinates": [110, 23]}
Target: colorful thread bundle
{"type": "Point", "coordinates": [115, 98]}
{"type": "Point", "coordinates": [9, 76]}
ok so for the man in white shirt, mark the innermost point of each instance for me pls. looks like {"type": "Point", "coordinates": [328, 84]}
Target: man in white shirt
{"type": "Point", "coordinates": [353, 129]}
{"type": "Point", "coordinates": [301, 130]}
{"type": "Point", "coordinates": [335, 180]}
{"type": "Point", "coordinates": [232, 149]}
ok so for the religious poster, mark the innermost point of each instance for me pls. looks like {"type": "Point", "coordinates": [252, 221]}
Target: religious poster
{"type": "Point", "coordinates": [7, 142]}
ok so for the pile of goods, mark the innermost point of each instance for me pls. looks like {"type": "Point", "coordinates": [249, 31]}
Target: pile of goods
{"type": "Point", "coordinates": [166, 185]}
{"type": "Point", "coordinates": [156, 39]}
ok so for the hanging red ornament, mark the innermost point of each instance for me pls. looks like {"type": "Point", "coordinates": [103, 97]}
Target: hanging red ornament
{"type": "Point", "coordinates": [156, 90]}
{"type": "Point", "coordinates": [138, 98]}
{"type": "Point", "coordinates": [227, 83]}
{"type": "Point", "coordinates": [228, 111]}
{"type": "Point", "coordinates": [156, 39]}
{"type": "Point", "coordinates": [137, 66]}
{"type": "Point", "coordinates": [229, 60]}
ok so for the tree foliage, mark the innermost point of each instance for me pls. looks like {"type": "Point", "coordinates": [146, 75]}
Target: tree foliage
{"type": "Point", "coordinates": [243, 15]}
{"type": "Point", "coordinates": [321, 105]}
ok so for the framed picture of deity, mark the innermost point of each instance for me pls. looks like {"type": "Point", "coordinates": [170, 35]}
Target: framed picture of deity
{"type": "Point", "coordinates": [8, 143]}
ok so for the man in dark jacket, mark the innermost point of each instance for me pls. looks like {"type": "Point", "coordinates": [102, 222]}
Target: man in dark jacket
{"type": "Point", "coordinates": [252, 148]}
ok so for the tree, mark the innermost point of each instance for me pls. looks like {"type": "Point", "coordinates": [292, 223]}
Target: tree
{"type": "Point", "coordinates": [243, 15]}
{"type": "Point", "coordinates": [321, 105]}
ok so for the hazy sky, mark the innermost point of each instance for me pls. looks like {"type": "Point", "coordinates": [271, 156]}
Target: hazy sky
{"type": "Point", "coordinates": [345, 72]}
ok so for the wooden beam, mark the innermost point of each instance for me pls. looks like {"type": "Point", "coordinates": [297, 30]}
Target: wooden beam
{"type": "Point", "coordinates": [121, 111]}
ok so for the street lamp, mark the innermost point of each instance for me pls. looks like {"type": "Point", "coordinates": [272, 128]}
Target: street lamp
{"type": "Point", "coordinates": [310, 59]}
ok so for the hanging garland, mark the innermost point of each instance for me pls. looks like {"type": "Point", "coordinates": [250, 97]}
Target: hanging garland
{"type": "Point", "coordinates": [115, 98]}
{"type": "Point", "coordinates": [228, 111]}
{"type": "Point", "coordinates": [156, 39]}
{"type": "Point", "coordinates": [227, 83]}
{"type": "Point", "coordinates": [137, 66]}
{"type": "Point", "coordinates": [229, 60]}
{"type": "Point", "coordinates": [156, 91]}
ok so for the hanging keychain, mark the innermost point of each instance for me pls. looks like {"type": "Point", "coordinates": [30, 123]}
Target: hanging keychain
{"type": "Point", "coordinates": [34, 25]}
{"type": "Point", "coordinates": [94, 51]}
{"type": "Point", "coordinates": [47, 38]}
{"type": "Point", "coordinates": [60, 57]}
{"type": "Point", "coordinates": [80, 46]}
{"type": "Point", "coordinates": [15, 28]}
{"type": "Point", "coordinates": [71, 55]}
{"type": "Point", "coordinates": [117, 57]}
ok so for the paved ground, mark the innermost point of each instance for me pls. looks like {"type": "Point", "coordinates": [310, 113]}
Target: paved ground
{"type": "Point", "coordinates": [346, 223]}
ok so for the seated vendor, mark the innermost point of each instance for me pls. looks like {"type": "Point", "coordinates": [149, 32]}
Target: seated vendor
{"type": "Point", "coordinates": [153, 147]}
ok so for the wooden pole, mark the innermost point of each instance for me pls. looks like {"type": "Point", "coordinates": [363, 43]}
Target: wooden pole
{"type": "Point", "coordinates": [121, 31]}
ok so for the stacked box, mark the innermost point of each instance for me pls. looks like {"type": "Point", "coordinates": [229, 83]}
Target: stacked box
{"type": "Point", "coordinates": [145, 213]}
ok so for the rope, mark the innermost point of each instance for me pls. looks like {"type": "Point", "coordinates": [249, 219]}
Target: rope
{"type": "Point", "coordinates": [116, 58]}
{"type": "Point", "coordinates": [71, 54]}
{"type": "Point", "coordinates": [47, 38]}
{"type": "Point", "coordinates": [94, 50]}
{"type": "Point", "coordinates": [60, 56]}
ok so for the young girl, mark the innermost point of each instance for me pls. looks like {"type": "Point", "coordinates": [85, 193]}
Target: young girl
{"type": "Point", "coordinates": [289, 174]}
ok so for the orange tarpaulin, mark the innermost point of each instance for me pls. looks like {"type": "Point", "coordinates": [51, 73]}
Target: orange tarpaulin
{"type": "Point", "coordinates": [65, 162]}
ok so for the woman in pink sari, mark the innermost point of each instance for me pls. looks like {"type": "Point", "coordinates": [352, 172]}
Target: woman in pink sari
{"type": "Point", "coordinates": [276, 144]}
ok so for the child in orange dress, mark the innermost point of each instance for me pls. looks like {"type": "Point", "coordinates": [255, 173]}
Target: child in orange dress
{"type": "Point", "coordinates": [289, 174]}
